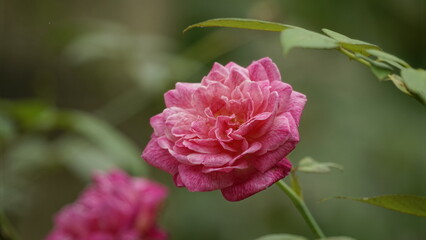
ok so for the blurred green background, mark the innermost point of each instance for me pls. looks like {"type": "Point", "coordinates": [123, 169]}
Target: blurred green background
{"type": "Point", "coordinates": [79, 81]}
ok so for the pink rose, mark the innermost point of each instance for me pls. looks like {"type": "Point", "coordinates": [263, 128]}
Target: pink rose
{"type": "Point", "coordinates": [230, 132]}
{"type": "Point", "coordinates": [115, 207]}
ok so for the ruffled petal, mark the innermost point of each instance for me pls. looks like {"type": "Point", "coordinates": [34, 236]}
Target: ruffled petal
{"type": "Point", "coordinates": [283, 129]}
{"type": "Point", "coordinates": [271, 69]}
{"type": "Point", "coordinates": [197, 181]}
{"type": "Point", "coordinates": [296, 105]}
{"type": "Point", "coordinates": [159, 157]}
{"type": "Point", "coordinates": [264, 69]}
{"type": "Point", "coordinates": [209, 160]}
{"type": "Point", "coordinates": [257, 182]}
{"type": "Point", "coordinates": [181, 96]}
{"type": "Point", "coordinates": [236, 77]}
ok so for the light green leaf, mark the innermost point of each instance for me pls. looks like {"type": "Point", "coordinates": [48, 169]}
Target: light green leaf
{"type": "Point", "coordinates": [299, 37]}
{"type": "Point", "coordinates": [380, 69]}
{"type": "Point", "coordinates": [83, 158]}
{"type": "Point", "coordinates": [109, 140]}
{"type": "Point", "coordinates": [309, 165]}
{"type": "Point", "coordinates": [353, 45]}
{"type": "Point", "coordinates": [386, 56]}
{"type": "Point", "coordinates": [397, 80]}
{"type": "Point", "coordinates": [415, 81]}
{"type": "Point", "coordinates": [381, 73]}
{"type": "Point", "coordinates": [409, 204]}
{"type": "Point", "coordinates": [282, 236]}
{"type": "Point", "coordinates": [344, 39]}
{"type": "Point", "coordinates": [241, 23]}
{"type": "Point", "coordinates": [374, 62]}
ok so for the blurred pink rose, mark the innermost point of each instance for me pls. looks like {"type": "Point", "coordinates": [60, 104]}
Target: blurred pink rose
{"type": "Point", "coordinates": [230, 132]}
{"type": "Point", "coordinates": [115, 207]}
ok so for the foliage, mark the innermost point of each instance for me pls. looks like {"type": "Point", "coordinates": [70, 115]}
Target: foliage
{"type": "Point", "coordinates": [56, 139]}
{"type": "Point", "coordinates": [409, 204]}
{"type": "Point", "coordinates": [384, 66]}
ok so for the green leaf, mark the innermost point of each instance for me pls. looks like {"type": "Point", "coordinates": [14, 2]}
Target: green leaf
{"type": "Point", "coordinates": [380, 69]}
{"type": "Point", "coordinates": [374, 62]}
{"type": "Point", "coordinates": [34, 115]}
{"type": "Point", "coordinates": [386, 56]}
{"type": "Point", "coordinates": [241, 23]}
{"type": "Point", "coordinates": [397, 81]}
{"type": "Point", "coordinates": [344, 39]}
{"type": "Point", "coordinates": [309, 165]}
{"type": "Point", "coordinates": [83, 158]}
{"type": "Point", "coordinates": [351, 44]}
{"type": "Point", "coordinates": [381, 73]}
{"type": "Point", "coordinates": [109, 140]}
{"type": "Point", "coordinates": [282, 236]}
{"type": "Point", "coordinates": [415, 81]}
{"type": "Point", "coordinates": [409, 204]}
{"type": "Point", "coordinates": [299, 37]}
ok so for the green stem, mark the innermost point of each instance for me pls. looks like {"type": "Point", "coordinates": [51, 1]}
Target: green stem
{"type": "Point", "coordinates": [303, 209]}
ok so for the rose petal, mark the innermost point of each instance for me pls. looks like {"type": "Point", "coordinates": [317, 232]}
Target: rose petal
{"type": "Point", "coordinates": [254, 126]}
{"type": "Point", "coordinates": [159, 157]}
{"type": "Point", "coordinates": [281, 131]}
{"type": "Point", "coordinates": [209, 160]}
{"type": "Point", "coordinates": [256, 146]}
{"type": "Point", "coordinates": [252, 91]}
{"type": "Point", "coordinates": [271, 69]}
{"type": "Point", "coordinates": [157, 122]}
{"type": "Point", "coordinates": [210, 97]}
{"type": "Point", "coordinates": [257, 72]}
{"type": "Point", "coordinates": [268, 160]}
{"type": "Point", "coordinates": [296, 105]}
{"type": "Point", "coordinates": [257, 182]}
{"type": "Point", "coordinates": [181, 96]}
{"type": "Point", "coordinates": [236, 77]}
{"type": "Point", "coordinates": [209, 146]}
{"type": "Point", "coordinates": [197, 181]}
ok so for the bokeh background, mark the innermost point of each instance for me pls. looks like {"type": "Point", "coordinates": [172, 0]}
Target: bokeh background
{"type": "Point", "coordinates": [79, 81]}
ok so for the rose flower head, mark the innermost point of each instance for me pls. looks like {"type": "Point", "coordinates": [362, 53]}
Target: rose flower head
{"type": "Point", "coordinates": [231, 132]}
{"type": "Point", "coordinates": [114, 207]}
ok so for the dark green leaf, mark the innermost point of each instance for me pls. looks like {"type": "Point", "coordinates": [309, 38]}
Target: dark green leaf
{"type": "Point", "coordinates": [415, 81]}
{"type": "Point", "coordinates": [282, 236]}
{"type": "Point", "coordinates": [410, 204]}
{"type": "Point", "coordinates": [34, 115]}
{"type": "Point", "coordinates": [299, 37]}
{"type": "Point", "coordinates": [241, 23]}
{"type": "Point", "coordinates": [309, 165]}
{"type": "Point", "coordinates": [386, 56]}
